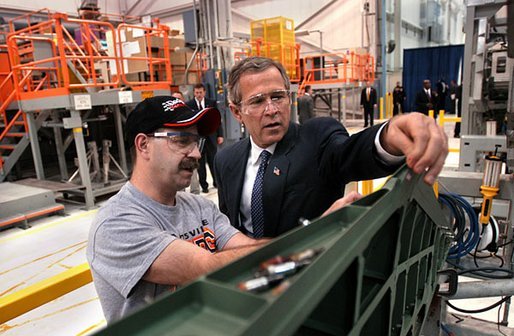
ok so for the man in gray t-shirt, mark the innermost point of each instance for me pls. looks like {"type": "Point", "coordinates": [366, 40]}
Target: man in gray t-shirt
{"type": "Point", "coordinates": [150, 238]}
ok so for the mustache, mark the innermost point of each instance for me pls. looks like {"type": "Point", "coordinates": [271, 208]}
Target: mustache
{"type": "Point", "coordinates": [189, 164]}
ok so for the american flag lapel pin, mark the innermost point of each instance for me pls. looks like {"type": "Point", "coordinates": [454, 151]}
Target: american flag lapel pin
{"type": "Point", "coordinates": [276, 171]}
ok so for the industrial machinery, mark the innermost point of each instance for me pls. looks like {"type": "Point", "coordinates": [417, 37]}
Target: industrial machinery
{"type": "Point", "coordinates": [486, 164]}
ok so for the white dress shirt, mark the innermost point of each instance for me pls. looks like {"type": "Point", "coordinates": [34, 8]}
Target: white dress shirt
{"type": "Point", "coordinates": [200, 103]}
{"type": "Point", "coordinates": [252, 166]}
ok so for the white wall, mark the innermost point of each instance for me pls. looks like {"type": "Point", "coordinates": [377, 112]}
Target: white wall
{"type": "Point", "coordinates": [297, 10]}
{"type": "Point", "coordinates": [146, 7]}
{"type": "Point", "coordinates": [63, 6]}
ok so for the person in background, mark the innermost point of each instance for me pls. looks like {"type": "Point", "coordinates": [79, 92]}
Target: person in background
{"type": "Point", "coordinates": [368, 103]}
{"type": "Point", "coordinates": [195, 184]}
{"type": "Point", "coordinates": [150, 237]}
{"type": "Point", "coordinates": [399, 97]}
{"type": "Point", "coordinates": [306, 105]}
{"type": "Point", "coordinates": [286, 171]}
{"type": "Point", "coordinates": [458, 97]}
{"type": "Point", "coordinates": [212, 141]}
{"type": "Point", "coordinates": [425, 98]}
{"type": "Point", "coordinates": [442, 92]}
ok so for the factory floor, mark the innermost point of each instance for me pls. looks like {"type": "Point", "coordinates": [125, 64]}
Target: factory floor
{"type": "Point", "coordinates": [56, 243]}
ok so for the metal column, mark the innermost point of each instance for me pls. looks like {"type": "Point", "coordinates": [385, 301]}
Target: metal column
{"type": "Point", "coordinates": [383, 36]}
{"type": "Point", "coordinates": [397, 34]}
{"type": "Point", "coordinates": [34, 145]}
{"type": "Point", "coordinates": [119, 138]}
{"type": "Point", "coordinates": [59, 147]}
{"type": "Point", "coordinates": [82, 157]}
{"type": "Point", "coordinates": [344, 103]}
{"type": "Point", "coordinates": [294, 106]}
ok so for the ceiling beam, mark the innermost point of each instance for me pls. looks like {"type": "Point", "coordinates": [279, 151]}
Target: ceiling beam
{"type": "Point", "coordinates": [315, 14]}
{"type": "Point", "coordinates": [132, 7]}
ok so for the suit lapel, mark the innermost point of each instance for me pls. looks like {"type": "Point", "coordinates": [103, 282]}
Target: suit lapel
{"type": "Point", "coordinates": [236, 174]}
{"type": "Point", "coordinates": [275, 181]}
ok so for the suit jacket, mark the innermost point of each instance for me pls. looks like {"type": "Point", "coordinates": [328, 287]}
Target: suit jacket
{"type": "Point", "coordinates": [368, 104]}
{"type": "Point", "coordinates": [305, 108]}
{"type": "Point", "coordinates": [399, 95]}
{"type": "Point", "coordinates": [208, 103]}
{"type": "Point", "coordinates": [423, 102]}
{"type": "Point", "coordinates": [305, 175]}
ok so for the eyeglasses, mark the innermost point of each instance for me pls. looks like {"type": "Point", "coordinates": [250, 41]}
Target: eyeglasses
{"type": "Point", "coordinates": [184, 142]}
{"type": "Point", "coordinates": [259, 103]}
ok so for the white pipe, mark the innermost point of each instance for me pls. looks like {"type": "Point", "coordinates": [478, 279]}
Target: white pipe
{"type": "Point", "coordinates": [486, 288]}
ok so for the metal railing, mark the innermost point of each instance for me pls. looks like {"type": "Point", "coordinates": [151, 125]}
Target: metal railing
{"type": "Point", "coordinates": [75, 55]}
{"type": "Point", "coordinates": [149, 51]}
{"type": "Point", "coordinates": [349, 67]}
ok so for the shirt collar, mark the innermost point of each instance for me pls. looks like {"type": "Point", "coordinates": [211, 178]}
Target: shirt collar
{"type": "Point", "coordinates": [256, 151]}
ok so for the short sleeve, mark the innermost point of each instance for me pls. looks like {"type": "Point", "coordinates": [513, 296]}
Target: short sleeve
{"type": "Point", "coordinates": [124, 246]}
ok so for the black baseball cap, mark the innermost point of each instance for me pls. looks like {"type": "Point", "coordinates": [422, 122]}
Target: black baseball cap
{"type": "Point", "coordinates": [166, 111]}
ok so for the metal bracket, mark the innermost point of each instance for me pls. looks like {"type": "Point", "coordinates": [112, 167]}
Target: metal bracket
{"type": "Point", "coordinates": [452, 279]}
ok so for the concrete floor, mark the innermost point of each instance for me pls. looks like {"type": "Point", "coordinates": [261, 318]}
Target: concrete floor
{"type": "Point", "coordinates": [55, 244]}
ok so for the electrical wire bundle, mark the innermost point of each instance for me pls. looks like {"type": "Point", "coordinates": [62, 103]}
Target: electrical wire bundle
{"type": "Point", "coordinates": [469, 234]}
{"type": "Point", "coordinates": [466, 239]}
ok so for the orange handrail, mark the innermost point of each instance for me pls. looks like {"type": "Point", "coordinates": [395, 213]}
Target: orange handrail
{"type": "Point", "coordinates": [83, 50]}
{"type": "Point", "coordinates": [27, 17]}
{"type": "Point", "coordinates": [155, 64]}
{"type": "Point", "coordinates": [339, 68]}
{"type": "Point", "coordinates": [285, 53]}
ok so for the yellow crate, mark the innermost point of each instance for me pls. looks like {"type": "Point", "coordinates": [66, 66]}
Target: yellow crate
{"type": "Point", "coordinates": [277, 41]}
{"type": "Point", "coordinates": [277, 30]}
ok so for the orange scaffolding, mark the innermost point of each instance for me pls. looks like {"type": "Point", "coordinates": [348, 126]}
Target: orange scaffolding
{"type": "Point", "coordinates": [61, 55]}
{"type": "Point", "coordinates": [60, 61]}
{"type": "Point", "coordinates": [347, 68]}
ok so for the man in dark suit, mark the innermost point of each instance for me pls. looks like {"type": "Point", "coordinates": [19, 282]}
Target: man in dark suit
{"type": "Point", "coordinates": [442, 93]}
{"type": "Point", "coordinates": [399, 97]}
{"type": "Point", "coordinates": [368, 102]}
{"type": "Point", "coordinates": [285, 171]}
{"type": "Point", "coordinates": [458, 97]}
{"type": "Point", "coordinates": [425, 98]}
{"type": "Point", "coordinates": [306, 105]}
{"type": "Point", "coordinates": [198, 103]}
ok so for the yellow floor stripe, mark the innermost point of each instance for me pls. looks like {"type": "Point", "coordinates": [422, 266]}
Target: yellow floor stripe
{"type": "Point", "coordinates": [24, 300]}
{"type": "Point", "coordinates": [42, 227]}
{"type": "Point", "coordinates": [95, 326]}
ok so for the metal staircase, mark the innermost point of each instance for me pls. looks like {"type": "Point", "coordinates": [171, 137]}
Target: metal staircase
{"type": "Point", "coordinates": [14, 137]}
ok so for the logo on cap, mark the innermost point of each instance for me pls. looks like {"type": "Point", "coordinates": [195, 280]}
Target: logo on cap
{"type": "Point", "coordinates": [170, 105]}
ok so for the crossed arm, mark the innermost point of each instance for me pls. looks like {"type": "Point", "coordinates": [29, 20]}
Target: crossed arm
{"type": "Point", "coordinates": [182, 261]}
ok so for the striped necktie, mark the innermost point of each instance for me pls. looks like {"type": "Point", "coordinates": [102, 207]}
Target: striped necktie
{"type": "Point", "coordinates": [256, 206]}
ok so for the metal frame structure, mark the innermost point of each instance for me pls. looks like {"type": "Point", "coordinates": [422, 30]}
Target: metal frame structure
{"type": "Point", "coordinates": [479, 104]}
{"type": "Point", "coordinates": [60, 76]}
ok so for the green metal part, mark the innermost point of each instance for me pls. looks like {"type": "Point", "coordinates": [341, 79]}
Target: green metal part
{"type": "Point", "coordinates": [376, 276]}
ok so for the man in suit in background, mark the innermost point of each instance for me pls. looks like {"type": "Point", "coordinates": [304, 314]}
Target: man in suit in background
{"type": "Point", "coordinates": [425, 98]}
{"type": "Point", "coordinates": [368, 102]}
{"type": "Point", "coordinates": [399, 97]}
{"type": "Point", "coordinates": [458, 97]}
{"type": "Point", "coordinates": [285, 171]}
{"type": "Point", "coordinates": [195, 184]}
{"type": "Point", "coordinates": [198, 103]}
{"type": "Point", "coordinates": [306, 105]}
{"type": "Point", "coordinates": [442, 92]}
